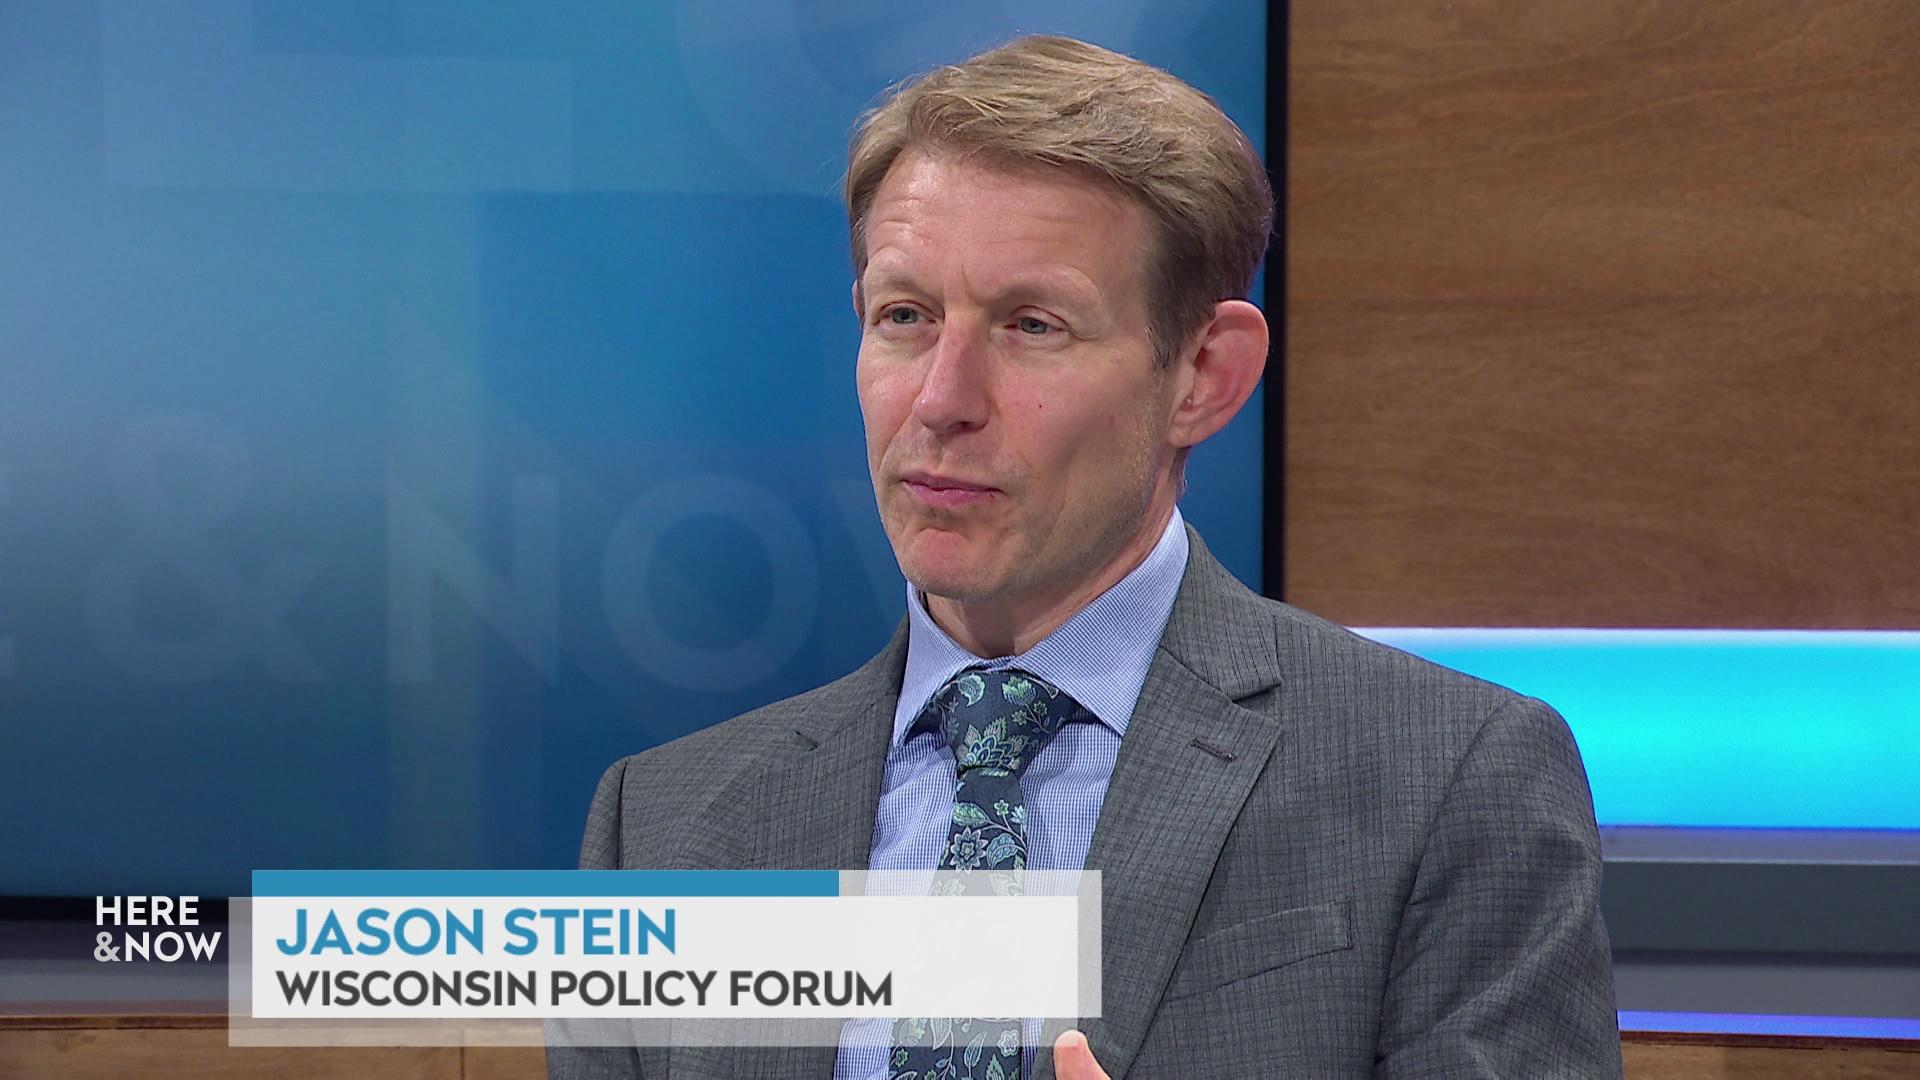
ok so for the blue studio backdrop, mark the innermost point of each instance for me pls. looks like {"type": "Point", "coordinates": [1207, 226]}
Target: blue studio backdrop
{"type": "Point", "coordinates": [409, 407]}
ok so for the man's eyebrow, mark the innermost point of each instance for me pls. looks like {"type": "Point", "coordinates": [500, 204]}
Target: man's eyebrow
{"type": "Point", "coordinates": [885, 279]}
{"type": "Point", "coordinates": [1058, 287]}
{"type": "Point", "coordinates": [1044, 287]}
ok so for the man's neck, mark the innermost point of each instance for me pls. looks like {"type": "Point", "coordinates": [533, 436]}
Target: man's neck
{"type": "Point", "coordinates": [1010, 627]}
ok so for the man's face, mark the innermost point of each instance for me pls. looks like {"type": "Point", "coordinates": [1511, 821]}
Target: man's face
{"type": "Point", "coordinates": [1016, 420]}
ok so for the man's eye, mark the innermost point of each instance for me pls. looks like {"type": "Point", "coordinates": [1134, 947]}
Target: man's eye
{"type": "Point", "coordinates": [901, 316]}
{"type": "Point", "coordinates": [1033, 326]}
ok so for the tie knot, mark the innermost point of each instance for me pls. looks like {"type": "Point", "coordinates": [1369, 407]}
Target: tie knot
{"type": "Point", "coordinates": [1000, 719]}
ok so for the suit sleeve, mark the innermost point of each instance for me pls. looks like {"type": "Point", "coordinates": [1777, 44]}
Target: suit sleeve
{"type": "Point", "coordinates": [1501, 967]}
{"type": "Point", "coordinates": [573, 1046]}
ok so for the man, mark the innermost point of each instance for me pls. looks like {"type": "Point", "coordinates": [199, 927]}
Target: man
{"type": "Point", "coordinates": [1321, 857]}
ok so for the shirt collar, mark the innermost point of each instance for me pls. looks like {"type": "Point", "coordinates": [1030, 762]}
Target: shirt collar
{"type": "Point", "coordinates": [1100, 656]}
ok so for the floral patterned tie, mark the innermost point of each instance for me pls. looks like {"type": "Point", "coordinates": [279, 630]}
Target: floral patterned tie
{"type": "Point", "coordinates": [996, 722]}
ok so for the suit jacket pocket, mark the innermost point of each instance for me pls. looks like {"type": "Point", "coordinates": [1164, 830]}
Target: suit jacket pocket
{"type": "Point", "coordinates": [1261, 944]}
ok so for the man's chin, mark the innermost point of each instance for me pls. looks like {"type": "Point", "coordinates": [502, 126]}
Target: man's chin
{"type": "Point", "coordinates": [952, 584]}
{"type": "Point", "coordinates": [964, 566]}
{"type": "Point", "coordinates": [960, 580]}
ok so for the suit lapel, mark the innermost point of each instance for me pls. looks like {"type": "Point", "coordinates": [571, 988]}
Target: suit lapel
{"type": "Point", "coordinates": [1189, 760]}
{"type": "Point", "coordinates": [814, 810]}
{"type": "Point", "coordinates": [817, 810]}
{"type": "Point", "coordinates": [815, 805]}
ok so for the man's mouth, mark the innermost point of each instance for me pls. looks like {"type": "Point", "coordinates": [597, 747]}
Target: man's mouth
{"type": "Point", "coordinates": [946, 492]}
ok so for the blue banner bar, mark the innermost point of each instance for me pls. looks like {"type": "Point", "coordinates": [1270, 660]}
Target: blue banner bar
{"type": "Point", "coordinates": [1832, 1027]}
{"type": "Point", "coordinates": [1775, 729]}
{"type": "Point", "coordinates": [482, 883]}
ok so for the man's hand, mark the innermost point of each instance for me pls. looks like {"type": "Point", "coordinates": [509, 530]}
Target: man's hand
{"type": "Point", "coordinates": [1073, 1059]}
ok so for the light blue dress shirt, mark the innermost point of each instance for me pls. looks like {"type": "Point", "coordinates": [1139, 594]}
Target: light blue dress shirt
{"type": "Point", "coordinates": [1100, 657]}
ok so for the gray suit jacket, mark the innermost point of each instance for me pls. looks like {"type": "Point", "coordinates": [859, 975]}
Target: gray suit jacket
{"type": "Point", "coordinates": [1322, 857]}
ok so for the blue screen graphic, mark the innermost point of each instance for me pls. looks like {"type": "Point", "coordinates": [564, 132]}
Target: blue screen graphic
{"type": "Point", "coordinates": [1719, 728]}
{"type": "Point", "coordinates": [407, 408]}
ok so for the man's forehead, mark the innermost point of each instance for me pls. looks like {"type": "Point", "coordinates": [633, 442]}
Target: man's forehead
{"type": "Point", "coordinates": [1009, 230]}
{"type": "Point", "coordinates": [943, 190]}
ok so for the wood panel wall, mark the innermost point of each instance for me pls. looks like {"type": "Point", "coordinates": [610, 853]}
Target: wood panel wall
{"type": "Point", "coordinates": [195, 1047]}
{"type": "Point", "coordinates": [1604, 313]}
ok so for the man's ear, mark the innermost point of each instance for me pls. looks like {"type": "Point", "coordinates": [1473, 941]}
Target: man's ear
{"type": "Point", "coordinates": [1228, 354]}
{"type": "Point", "coordinates": [859, 305]}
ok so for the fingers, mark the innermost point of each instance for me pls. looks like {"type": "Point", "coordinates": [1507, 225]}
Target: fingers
{"type": "Point", "coordinates": [1073, 1059]}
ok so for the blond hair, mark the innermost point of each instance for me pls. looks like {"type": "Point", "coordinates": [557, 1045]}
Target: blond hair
{"type": "Point", "coordinates": [1057, 103]}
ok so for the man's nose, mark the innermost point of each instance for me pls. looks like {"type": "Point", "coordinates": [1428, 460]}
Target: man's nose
{"type": "Point", "coordinates": [955, 395]}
